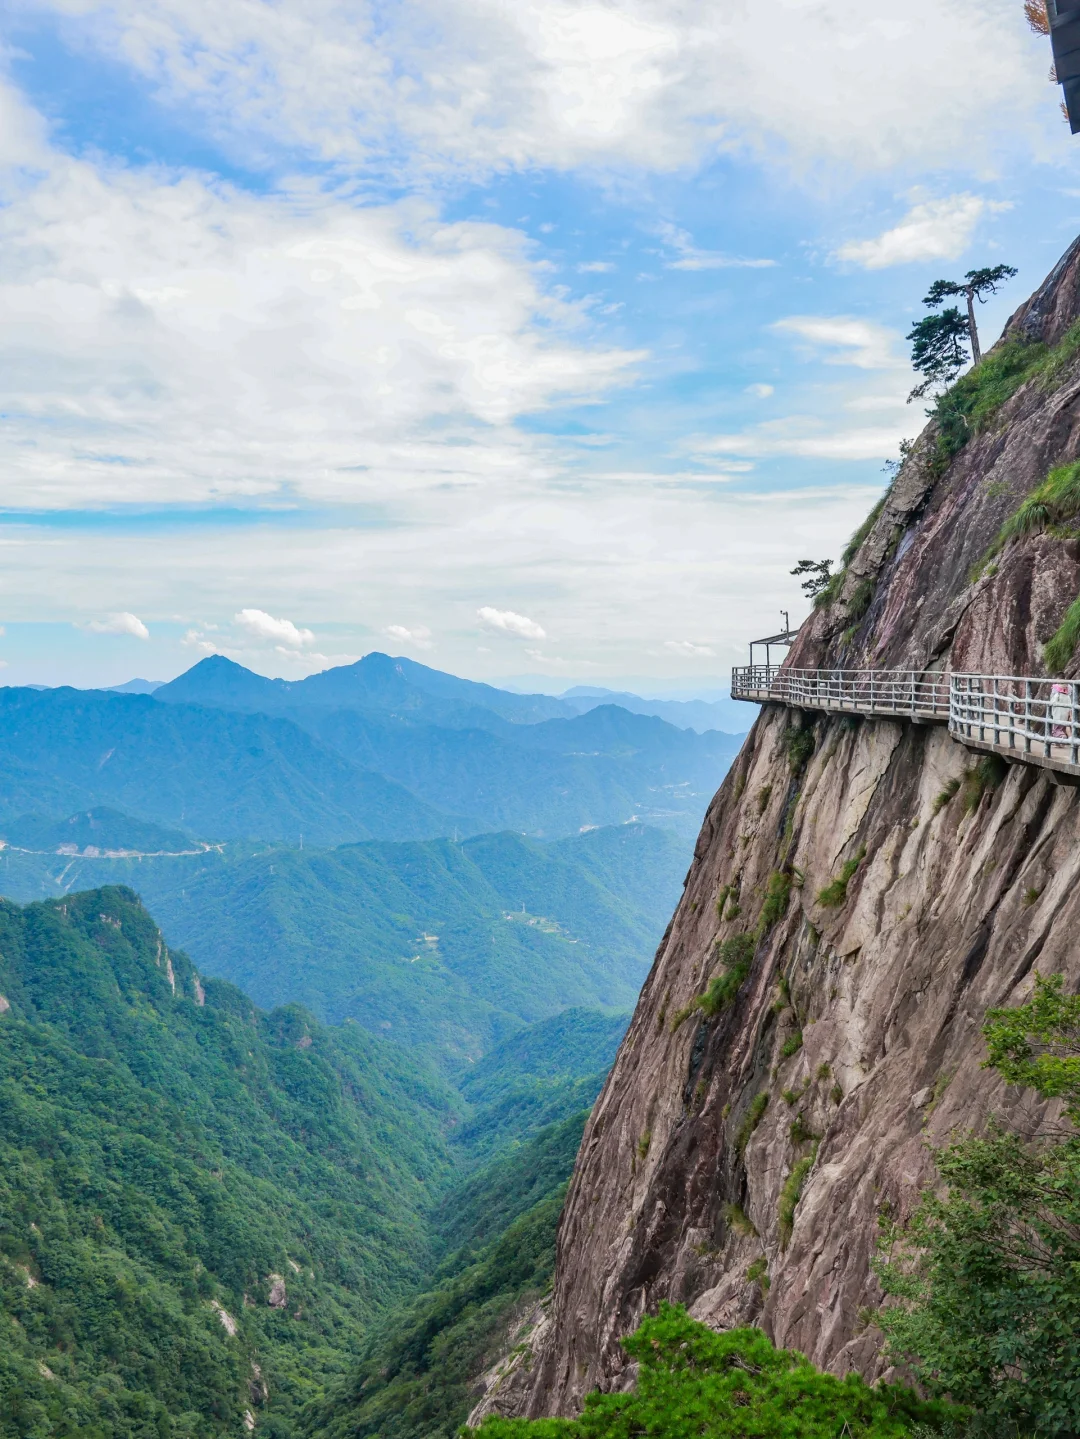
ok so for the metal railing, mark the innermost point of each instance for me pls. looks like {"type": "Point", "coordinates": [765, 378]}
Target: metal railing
{"type": "Point", "coordinates": [1033, 719]}
{"type": "Point", "coordinates": [1023, 718]}
{"type": "Point", "coordinates": [911, 694]}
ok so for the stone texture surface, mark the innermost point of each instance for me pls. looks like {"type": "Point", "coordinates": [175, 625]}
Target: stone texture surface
{"type": "Point", "coordinates": [949, 911]}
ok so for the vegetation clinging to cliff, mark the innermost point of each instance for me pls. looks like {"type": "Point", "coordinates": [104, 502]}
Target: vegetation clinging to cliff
{"type": "Point", "coordinates": [989, 1274]}
{"type": "Point", "coordinates": [696, 1384]}
{"type": "Point", "coordinates": [736, 956]}
{"type": "Point", "coordinates": [1060, 648]}
{"type": "Point", "coordinates": [1052, 506]}
{"type": "Point", "coordinates": [835, 894]}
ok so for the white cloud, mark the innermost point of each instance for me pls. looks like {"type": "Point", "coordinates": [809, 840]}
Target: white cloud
{"type": "Point", "coordinates": [858, 342]}
{"type": "Point", "coordinates": [637, 563]}
{"type": "Point", "coordinates": [417, 635]}
{"type": "Point", "coordinates": [511, 623]}
{"type": "Point", "coordinates": [120, 623]}
{"type": "Point", "coordinates": [932, 230]}
{"type": "Point", "coordinates": [595, 267]}
{"type": "Point", "coordinates": [476, 84]}
{"type": "Point", "coordinates": [691, 258]}
{"type": "Point", "coordinates": [760, 391]}
{"type": "Point", "coordinates": [164, 338]}
{"type": "Point", "coordinates": [257, 624]}
{"type": "Point", "coordinates": [805, 437]}
{"type": "Point", "coordinates": [196, 640]}
{"type": "Point", "coordinates": [689, 650]}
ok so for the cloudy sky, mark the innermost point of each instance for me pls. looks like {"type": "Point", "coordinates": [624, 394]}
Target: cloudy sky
{"type": "Point", "coordinates": [519, 336]}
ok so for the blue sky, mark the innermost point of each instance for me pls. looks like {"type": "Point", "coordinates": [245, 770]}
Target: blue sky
{"type": "Point", "coordinates": [518, 337]}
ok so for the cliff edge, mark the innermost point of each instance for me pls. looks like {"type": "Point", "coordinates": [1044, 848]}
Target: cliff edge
{"type": "Point", "coordinates": [862, 891]}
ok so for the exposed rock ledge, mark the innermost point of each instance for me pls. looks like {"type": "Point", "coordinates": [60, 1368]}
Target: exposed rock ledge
{"type": "Point", "coordinates": [947, 914]}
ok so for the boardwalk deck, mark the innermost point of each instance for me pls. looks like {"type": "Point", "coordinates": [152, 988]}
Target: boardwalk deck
{"type": "Point", "coordinates": [1025, 719]}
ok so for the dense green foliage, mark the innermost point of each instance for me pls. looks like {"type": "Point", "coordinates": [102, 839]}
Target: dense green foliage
{"type": "Point", "coordinates": [204, 1208]}
{"type": "Point", "coordinates": [478, 1208]}
{"type": "Point", "coordinates": [168, 1157]}
{"type": "Point", "coordinates": [537, 1077]}
{"type": "Point", "coordinates": [695, 1384]}
{"type": "Point", "coordinates": [972, 404]}
{"type": "Point", "coordinates": [988, 1273]}
{"type": "Point", "coordinates": [938, 349]}
{"type": "Point", "coordinates": [414, 1381]}
{"type": "Point", "coordinates": [448, 947]}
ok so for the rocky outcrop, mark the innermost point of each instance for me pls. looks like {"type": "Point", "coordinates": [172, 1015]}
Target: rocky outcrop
{"type": "Point", "coordinates": [739, 1163]}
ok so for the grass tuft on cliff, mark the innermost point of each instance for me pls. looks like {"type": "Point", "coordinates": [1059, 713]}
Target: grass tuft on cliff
{"type": "Point", "coordinates": [695, 1384]}
{"type": "Point", "coordinates": [1060, 648]}
{"type": "Point", "coordinates": [1054, 506]}
{"type": "Point", "coordinates": [835, 894]}
{"type": "Point", "coordinates": [987, 775]}
{"type": "Point", "coordinates": [791, 1193]}
{"type": "Point", "coordinates": [736, 955]}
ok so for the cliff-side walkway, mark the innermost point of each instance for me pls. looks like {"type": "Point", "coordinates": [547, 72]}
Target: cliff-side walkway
{"type": "Point", "coordinates": [1035, 721]}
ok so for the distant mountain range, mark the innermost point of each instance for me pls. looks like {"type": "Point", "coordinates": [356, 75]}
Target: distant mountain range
{"type": "Point", "coordinates": [701, 714]}
{"type": "Point", "coordinates": [382, 749]}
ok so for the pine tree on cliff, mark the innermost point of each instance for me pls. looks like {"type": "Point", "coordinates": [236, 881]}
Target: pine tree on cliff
{"type": "Point", "coordinates": [939, 343]}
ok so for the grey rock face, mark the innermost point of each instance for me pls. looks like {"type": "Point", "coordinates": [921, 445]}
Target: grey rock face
{"type": "Point", "coordinates": [952, 906]}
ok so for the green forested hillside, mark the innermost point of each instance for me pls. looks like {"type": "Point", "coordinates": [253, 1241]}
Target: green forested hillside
{"type": "Point", "coordinates": [201, 1206]}
{"type": "Point", "coordinates": [415, 1380]}
{"type": "Point", "coordinates": [205, 1207]}
{"type": "Point", "coordinates": [537, 1077]}
{"type": "Point", "coordinates": [449, 947]}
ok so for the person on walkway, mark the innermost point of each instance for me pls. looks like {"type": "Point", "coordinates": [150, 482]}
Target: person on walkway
{"type": "Point", "coordinates": [1061, 709]}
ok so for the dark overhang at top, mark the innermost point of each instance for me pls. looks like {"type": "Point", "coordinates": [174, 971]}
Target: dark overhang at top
{"type": "Point", "coordinates": [1064, 17]}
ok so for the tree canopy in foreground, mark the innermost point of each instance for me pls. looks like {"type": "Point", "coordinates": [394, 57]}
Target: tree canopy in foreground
{"type": "Point", "coordinates": [696, 1384]}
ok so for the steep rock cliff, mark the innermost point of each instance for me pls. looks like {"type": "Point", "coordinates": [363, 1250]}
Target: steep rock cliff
{"type": "Point", "coordinates": [768, 1138]}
